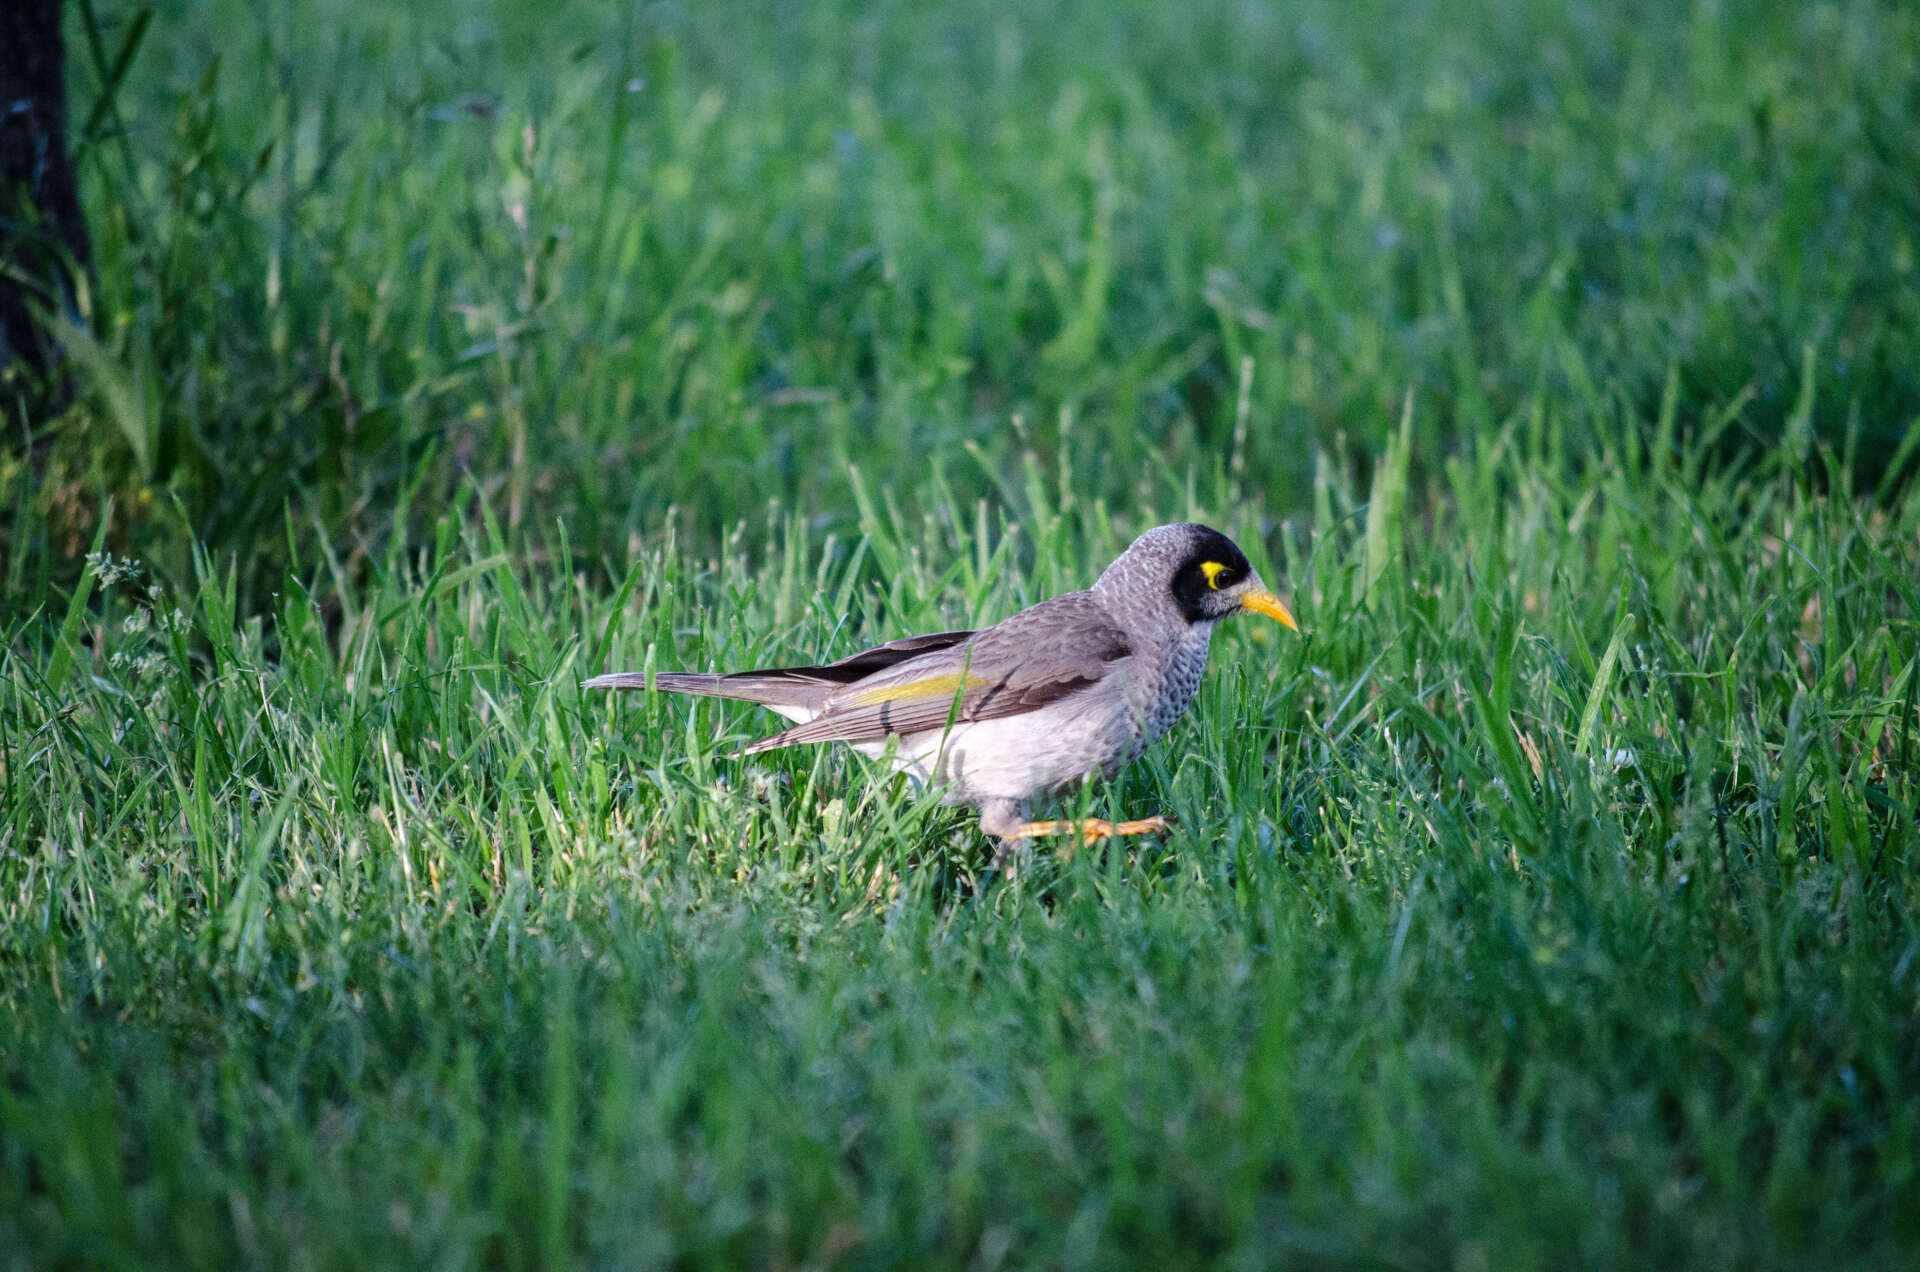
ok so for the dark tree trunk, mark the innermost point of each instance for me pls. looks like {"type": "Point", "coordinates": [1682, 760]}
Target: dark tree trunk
{"type": "Point", "coordinates": [42, 234]}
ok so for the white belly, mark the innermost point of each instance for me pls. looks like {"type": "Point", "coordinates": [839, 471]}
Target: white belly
{"type": "Point", "coordinates": [1016, 757]}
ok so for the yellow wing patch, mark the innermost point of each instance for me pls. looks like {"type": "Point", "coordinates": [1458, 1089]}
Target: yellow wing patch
{"type": "Point", "coordinates": [932, 687]}
{"type": "Point", "coordinates": [1213, 570]}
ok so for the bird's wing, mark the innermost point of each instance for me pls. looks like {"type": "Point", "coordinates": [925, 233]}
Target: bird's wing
{"type": "Point", "coordinates": [784, 686]}
{"type": "Point", "coordinates": [1040, 655]}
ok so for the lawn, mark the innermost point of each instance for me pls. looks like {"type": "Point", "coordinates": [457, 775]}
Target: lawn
{"type": "Point", "coordinates": [1549, 901]}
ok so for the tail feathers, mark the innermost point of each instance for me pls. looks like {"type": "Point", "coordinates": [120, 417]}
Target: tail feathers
{"type": "Point", "coordinates": [769, 689]}
{"type": "Point", "coordinates": [668, 681]}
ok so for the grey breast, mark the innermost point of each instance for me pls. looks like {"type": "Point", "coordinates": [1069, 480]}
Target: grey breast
{"type": "Point", "coordinates": [1180, 667]}
{"type": "Point", "coordinates": [1169, 653]}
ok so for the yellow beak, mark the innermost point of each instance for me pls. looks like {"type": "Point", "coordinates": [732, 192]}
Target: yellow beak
{"type": "Point", "coordinates": [1264, 602]}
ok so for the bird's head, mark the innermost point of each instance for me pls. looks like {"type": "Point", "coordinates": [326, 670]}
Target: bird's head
{"type": "Point", "coordinates": [1206, 574]}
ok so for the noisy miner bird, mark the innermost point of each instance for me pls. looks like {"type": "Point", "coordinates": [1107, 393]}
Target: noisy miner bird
{"type": "Point", "coordinates": [1075, 686]}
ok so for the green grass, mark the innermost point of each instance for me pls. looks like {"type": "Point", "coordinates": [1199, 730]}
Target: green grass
{"type": "Point", "coordinates": [1551, 901]}
{"type": "Point", "coordinates": [689, 257]}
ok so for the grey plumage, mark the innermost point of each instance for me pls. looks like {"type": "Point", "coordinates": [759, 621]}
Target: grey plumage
{"type": "Point", "coordinates": [1075, 686]}
{"type": "Point", "coordinates": [783, 686]}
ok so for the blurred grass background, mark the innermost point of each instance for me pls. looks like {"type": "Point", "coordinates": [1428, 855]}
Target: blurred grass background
{"type": "Point", "coordinates": [1550, 902]}
{"type": "Point", "coordinates": [702, 256]}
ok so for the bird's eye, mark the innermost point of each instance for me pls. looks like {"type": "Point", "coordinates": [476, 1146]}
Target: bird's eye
{"type": "Point", "coordinates": [1213, 570]}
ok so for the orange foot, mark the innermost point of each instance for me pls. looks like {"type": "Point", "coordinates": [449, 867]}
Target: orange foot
{"type": "Point", "coordinates": [1092, 828]}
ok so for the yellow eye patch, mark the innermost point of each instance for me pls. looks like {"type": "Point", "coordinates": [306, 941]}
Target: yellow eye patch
{"type": "Point", "coordinates": [1213, 570]}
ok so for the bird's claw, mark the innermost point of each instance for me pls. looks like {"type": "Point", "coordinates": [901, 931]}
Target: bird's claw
{"type": "Point", "coordinates": [1093, 829]}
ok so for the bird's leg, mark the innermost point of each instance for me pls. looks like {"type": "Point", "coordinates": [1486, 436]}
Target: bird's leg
{"type": "Point", "coordinates": [1002, 852]}
{"type": "Point", "coordinates": [1091, 829]}
{"type": "Point", "coordinates": [1002, 819]}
